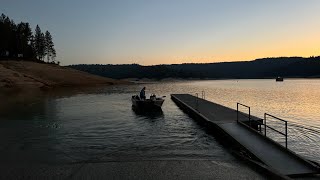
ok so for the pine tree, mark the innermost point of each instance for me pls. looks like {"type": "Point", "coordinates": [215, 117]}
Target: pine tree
{"type": "Point", "coordinates": [49, 47]}
{"type": "Point", "coordinates": [24, 34]}
{"type": "Point", "coordinates": [53, 55]}
{"type": "Point", "coordinates": [42, 46]}
{"type": "Point", "coordinates": [33, 46]}
{"type": "Point", "coordinates": [39, 43]}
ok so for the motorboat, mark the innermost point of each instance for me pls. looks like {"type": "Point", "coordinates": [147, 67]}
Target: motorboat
{"type": "Point", "coordinates": [279, 79]}
{"type": "Point", "coordinates": [153, 102]}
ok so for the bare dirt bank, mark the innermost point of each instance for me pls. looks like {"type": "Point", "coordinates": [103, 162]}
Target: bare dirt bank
{"type": "Point", "coordinates": [23, 74]}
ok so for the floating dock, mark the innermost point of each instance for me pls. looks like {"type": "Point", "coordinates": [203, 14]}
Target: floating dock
{"type": "Point", "coordinates": [275, 156]}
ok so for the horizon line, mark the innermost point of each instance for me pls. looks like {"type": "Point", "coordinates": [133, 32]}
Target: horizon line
{"type": "Point", "coordinates": [218, 62]}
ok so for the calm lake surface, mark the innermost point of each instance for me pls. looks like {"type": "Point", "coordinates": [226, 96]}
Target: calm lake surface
{"type": "Point", "coordinates": [98, 124]}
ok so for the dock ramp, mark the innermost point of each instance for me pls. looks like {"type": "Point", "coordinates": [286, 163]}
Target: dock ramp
{"type": "Point", "coordinates": [270, 153]}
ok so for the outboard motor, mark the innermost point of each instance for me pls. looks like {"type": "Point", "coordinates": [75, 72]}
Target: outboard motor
{"type": "Point", "coordinates": [153, 97]}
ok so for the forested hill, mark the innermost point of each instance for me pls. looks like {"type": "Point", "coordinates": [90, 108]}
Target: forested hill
{"type": "Point", "coordinates": [259, 68]}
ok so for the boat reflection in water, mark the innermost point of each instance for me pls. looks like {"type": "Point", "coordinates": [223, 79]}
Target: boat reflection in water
{"type": "Point", "coordinates": [153, 113]}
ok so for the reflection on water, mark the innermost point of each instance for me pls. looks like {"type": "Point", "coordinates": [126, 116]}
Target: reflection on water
{"type": "Point", "coordinates": [99, 123]}
{"type": "Point", "coordinates": [155, 113]}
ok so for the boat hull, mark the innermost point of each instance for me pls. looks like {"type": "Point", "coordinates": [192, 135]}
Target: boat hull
{"type": "Point", "coordinates": [279, 79]}
{"type": "Point", "coordinates": [147, 104]}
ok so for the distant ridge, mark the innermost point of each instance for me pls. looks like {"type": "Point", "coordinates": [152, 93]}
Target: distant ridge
{"type": "Point", "coordinates": [259, 68]}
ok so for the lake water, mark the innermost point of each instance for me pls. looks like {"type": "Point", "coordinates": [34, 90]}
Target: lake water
{"type": "Point", "coordinates": [98, 124]}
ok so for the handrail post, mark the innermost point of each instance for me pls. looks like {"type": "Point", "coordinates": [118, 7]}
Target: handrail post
{"type": "Point", "coordinates": [249, 117]}
{"type": "Point", "coordinates": [260, 126]}
{"type": "Point", "coordinates": [265, 124]}
{"type": "Point", "coordinates": [237, 112]}
{"type": "Point", "coordinates": [286, 134]}
{"type": "Point", "coordinates": [197, 103]}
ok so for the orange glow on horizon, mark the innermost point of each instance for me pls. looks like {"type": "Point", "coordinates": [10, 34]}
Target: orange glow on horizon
{"type": "Point", "coordinates": [304, 47]}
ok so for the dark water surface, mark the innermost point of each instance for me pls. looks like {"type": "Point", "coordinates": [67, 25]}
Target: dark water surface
{"type": "Point", "coordinates": [98, 124]}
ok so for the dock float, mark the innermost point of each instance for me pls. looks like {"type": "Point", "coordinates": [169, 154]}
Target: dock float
{"type": "Point", "coordinates": [273, 155]}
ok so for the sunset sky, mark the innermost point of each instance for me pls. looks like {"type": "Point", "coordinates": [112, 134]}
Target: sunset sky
{"type": "Point", "coordinates": [173, 31]}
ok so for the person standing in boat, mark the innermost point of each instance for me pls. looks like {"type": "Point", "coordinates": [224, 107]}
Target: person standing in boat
{"type": "Point", "coordinates": [143, 93]}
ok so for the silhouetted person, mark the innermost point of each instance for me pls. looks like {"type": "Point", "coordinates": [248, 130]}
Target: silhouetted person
{"type": "Point", "coordinates": [143, 93]}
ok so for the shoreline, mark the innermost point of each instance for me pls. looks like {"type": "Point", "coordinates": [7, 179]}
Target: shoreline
{"type": "Point", "coordinates": [25, 75]}
{"type": "Point", "coordinates": [146, 80]}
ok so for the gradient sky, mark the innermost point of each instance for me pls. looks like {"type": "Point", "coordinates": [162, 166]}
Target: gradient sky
{"type": "Point", "coordinates": [173, 31]}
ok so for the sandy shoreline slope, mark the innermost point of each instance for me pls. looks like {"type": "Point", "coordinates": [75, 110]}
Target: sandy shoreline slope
{"type": "Point", "coordinates": [24, 74]}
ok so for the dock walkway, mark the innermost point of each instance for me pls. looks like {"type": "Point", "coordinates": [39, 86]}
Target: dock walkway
{"type": "Point", "coordinates": [271, 154]}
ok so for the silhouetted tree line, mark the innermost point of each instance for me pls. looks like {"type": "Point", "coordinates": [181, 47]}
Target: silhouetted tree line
{"type": "Point", "coordinates": [131, 71]}
{"type": "Point", "coordinates": [259, 68]}
{"type": "Point", "coordinates": [19, 42]}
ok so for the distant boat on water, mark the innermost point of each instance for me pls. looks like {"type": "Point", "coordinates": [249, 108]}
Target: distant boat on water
{"type": "Point", "coordinates": [280, 79]}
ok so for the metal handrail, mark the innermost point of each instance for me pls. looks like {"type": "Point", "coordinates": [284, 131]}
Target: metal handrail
{"type": "Point", "coordinates": [243, 105]}
{"type": "Point", "coordinates": [275, 117]}
{"type": "Point", "coordinates": [203, 94]}
{"type": "Point", "coordinates": [286, 127]}
{"type": "Point", "coordinates": [259, 121]}
{"type": "Point", "coordinates": [238, 112]}
{"type": "Point", "coordinates": [252, 119]}
{"type": "Point", "coordinates": [276, 130]}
